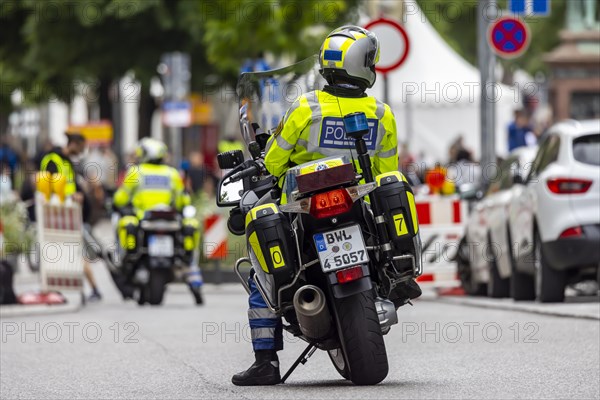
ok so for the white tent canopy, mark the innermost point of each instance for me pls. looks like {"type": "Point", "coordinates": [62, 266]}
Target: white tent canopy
{"type": "Point", "coordinates": [437, 93]}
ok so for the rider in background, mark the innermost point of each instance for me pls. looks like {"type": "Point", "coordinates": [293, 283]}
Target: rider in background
{"type": "Point", "coordinates": [347, 59]}
{"type": "Point", "coordinates": [147, 185]}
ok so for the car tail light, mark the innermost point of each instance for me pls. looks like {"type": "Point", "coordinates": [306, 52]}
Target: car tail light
{"type": "Point", "coordinates": [575, 231]}
{"type": "Point", "coordinates": [349, 274]}
{"type": "Point", "coordinates": [568, 185]}
{"type": "Point", "coordinates": [330, 203]}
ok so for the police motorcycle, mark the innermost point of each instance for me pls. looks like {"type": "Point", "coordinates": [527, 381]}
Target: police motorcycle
{"type": "Point", "coordinates": [160, 251]}
{"type": "Point", "coordinates": [333, 246]}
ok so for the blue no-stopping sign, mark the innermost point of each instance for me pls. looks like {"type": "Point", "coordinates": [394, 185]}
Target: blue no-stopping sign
{"type": "Point", "coordinates": [509, 37]}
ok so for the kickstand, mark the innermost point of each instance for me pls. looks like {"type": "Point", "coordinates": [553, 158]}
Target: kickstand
{"type": "Point", "coordinates": [310, 349]}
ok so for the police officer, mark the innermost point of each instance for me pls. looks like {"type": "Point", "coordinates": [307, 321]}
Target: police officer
{"type": "Point", "coordinates": [146, 185]}
{"type": "Point", "coordinates": [149, 184]}
{"type": "Point", "coordinates": [60, 161]}
{"type": "Point", "coordinates": [347, 62]}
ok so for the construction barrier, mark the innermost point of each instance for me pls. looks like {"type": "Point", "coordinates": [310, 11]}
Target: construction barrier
{"type": "Point", "coordinates": [214, 240]}
{"type": "Point", "coordinates": [60, 238]}
{"type": "Point", "coordinates": [442, 222]}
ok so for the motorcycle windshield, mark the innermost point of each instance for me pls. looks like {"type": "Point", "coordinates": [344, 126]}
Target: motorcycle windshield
{"type": "Point", "coordinates": [265, 96]}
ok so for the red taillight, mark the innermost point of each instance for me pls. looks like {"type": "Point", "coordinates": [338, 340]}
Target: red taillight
{"type": "Point", "coordinates": [349, 274]}
{"type": "Point", "coordinates": [568, 185]}
{"type": "Point", "coordinates": [575, 231]}
{"type": "Point", "coordinates": [331, 203]}
{"type": "Point", "coordinates": [425, 278]}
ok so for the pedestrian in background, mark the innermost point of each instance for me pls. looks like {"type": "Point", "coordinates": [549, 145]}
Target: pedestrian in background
{"type": "Point", "coordinates": [10, 158]}
{"type": "Point", "coordinates": [519, 131]}
{"type": "Point", "coordinates": [196, 173]}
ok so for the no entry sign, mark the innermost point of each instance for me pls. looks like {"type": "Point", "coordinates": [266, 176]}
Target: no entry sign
{"type": "Point", "coordinates": [509, 37]}
{"type": "Point", "coordinates": [393, 41]}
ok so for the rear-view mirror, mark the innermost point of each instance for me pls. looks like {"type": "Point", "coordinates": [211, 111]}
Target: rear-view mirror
{"type": "Point", "coordinates": [229, 193]}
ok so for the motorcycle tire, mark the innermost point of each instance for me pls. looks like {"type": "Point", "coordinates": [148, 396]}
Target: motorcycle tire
{"type": "Point", "coordinates": [362, 339]}
{"type": "Point", "coordinates": [157, 285]}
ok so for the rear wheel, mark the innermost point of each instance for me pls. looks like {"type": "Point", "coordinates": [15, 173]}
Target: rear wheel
{"type": "Point", "coordinates": [156, 285]}
{"type": "Point", "coordinates": [465, 273]}
{"type": "Point", "coordinates": [362, 339]}
{"type": "Point", "coordinates": [522, 286]}
{"type": "Point", "coordinates": [549, 283]}
{"type": "Point", "coordinates": [498, 287]}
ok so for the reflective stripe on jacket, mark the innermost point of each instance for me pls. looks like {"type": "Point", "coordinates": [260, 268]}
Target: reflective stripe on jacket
{"type": "Point", "coordinates": [312, 129]}
{"type": "Point", "coordinates": [148, 185]}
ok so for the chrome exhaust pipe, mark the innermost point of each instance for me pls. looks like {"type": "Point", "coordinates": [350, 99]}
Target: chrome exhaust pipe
{"type": "Point", "coordinates": [386, 311]}
{"type": "Point", "coordinates": [313, 315]}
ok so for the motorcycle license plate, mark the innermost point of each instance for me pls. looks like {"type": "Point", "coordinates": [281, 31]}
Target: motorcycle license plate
{"type": "Point", "coordinates": [341, 248]}
{"type": "Point", "coordinates": [160, 246]}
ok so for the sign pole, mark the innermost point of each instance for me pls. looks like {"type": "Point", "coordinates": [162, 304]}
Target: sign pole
{"type": "Point", "coordinates": [176, 74]}
{"type": "Point", "coordinates": [487, 62]}
{"type": "Point", "coordinates": [386, 89]}
{"type": "Point", "coordinates": [409, 120]}
{"type": "Point", "coordinates": [176, 146]}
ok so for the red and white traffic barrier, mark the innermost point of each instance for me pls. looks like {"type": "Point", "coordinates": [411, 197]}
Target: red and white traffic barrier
{"type": "Point", "coordinates": [60, 237]}
{"type": "Point", "coordinates": [215, 237]}
{"type": "Point", "coordinates": [442, 222]}
{"type": "Point", "coordinates": [437, 210]}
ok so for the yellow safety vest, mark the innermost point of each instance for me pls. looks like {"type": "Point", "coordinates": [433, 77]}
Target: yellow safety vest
{"type": "Point", "coordinates": [313, 129]}
{"type": "Point", "coordinates": [64, 168]}
{"type": "Point", "coordinates": [146, 186]}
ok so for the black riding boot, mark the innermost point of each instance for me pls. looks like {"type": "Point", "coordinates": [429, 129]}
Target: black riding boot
{"type": "Point", "coordinates": [264, 371]}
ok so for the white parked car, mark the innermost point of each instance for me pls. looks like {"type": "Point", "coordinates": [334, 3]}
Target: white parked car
{"type": "Point", "coordinates": [554, 219]}
{"type": "Point", "coordinates": [484, 263]}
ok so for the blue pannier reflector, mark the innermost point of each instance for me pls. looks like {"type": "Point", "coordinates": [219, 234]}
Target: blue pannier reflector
{"type": "Point", "coordinates": [333, 55]}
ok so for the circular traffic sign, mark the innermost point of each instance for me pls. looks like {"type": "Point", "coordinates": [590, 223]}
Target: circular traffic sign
{"type": "Point", "coordinates": [393, 42]}
{"type": "Point", "coordinates": [509, 37]}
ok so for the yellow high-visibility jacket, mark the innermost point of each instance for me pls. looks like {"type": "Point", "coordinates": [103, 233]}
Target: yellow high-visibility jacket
{"type": "Point", "coordinates": [57, 163]}
{"type": "Point", "coordinates": [313, 129]}
{"type": "Point", "coordinates": [146, 186]}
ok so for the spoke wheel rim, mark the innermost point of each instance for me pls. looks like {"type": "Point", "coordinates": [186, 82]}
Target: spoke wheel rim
{"type": "Point", "coordinates": [338, 358]}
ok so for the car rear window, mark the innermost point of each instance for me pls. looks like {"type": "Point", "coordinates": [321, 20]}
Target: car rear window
{"type": "Point", "coordinates": [586, 149]}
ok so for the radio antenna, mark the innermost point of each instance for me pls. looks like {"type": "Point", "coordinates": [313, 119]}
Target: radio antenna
{"type": "Point", "coordinates": [347, 139]}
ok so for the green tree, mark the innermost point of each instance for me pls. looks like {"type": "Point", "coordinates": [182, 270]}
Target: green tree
{"type": "Point", "coordinates": [241, 29]}
{"type": "Point", "coordinates": [49, 45]}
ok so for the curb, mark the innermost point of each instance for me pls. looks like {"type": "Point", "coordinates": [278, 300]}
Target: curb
{"type": "Point", "coordinates": [529, 307]}
{"type": "Point", "coordinates": [19, 310]}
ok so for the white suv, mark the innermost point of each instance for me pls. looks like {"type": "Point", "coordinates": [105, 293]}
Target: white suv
{"type": "Point", "coordinates": [554, 218]}
{"type": "Point", "coordinates": [483, 263]}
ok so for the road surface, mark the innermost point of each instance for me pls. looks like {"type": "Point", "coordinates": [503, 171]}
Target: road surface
{"type": "Point", "coordinates": [114, 349]}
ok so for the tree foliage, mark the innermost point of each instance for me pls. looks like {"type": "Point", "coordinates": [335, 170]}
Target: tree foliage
{"type": "Point", "coordinates": [46, 46]}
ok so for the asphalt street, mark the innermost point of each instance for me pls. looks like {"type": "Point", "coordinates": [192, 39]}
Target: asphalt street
{"type": "Point", "coordinates": [114, 349]}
